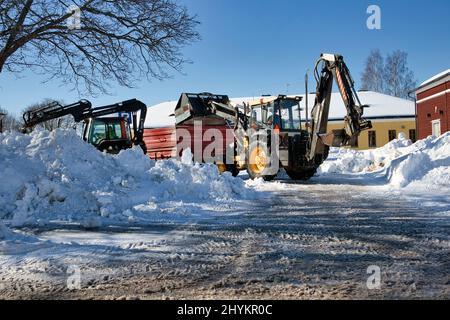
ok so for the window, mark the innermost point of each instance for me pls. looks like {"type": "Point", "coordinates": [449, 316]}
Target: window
{"type": "Point", "coordinates": [98, 132]}
{"type": "Point", "coordinates": [372, 139]}
{"type": "Point", "coordinates": [290, 114]}
{"type": "Point", "coordinates": [281, 113]}
{"type": "Point", "coordinates": [392, 135]}
{"type": "Point", "coordinates": [412, 135]}
{"type": "Point", "coordinates": [114, 131]}
{"type": "Point", "coordinates": [263, 114]}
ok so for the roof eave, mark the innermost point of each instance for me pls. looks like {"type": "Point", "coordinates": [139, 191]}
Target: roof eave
{"type": "Point", "coordinates": [427, 84]}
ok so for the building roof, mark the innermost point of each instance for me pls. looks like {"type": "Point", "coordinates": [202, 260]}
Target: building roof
{"type": "Point", "coordinates": [436, 77]}
{"type": "Point", "coordinates": [433, 81]}
{"type": "Point", "coordinates": [380, 106]}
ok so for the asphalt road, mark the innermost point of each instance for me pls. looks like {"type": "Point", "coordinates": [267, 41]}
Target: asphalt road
{"type": "Point", "coordinates": [306, 241]}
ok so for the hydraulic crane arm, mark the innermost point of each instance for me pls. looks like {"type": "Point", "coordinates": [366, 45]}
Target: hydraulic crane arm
{"type": "Point", "coordinates": [334, 68]}
{"type": "Point", "coordinates": [55, 110]}
{"type": "Point", "coordinates": [130, 106]}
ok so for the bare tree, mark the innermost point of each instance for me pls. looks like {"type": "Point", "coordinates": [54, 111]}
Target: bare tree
{"type": "Point", "coordinates": [372, 77]}
{"type": "Point", "coordinates": [390, 76]}
{"type": "Point", "coordinates": [66, 122]}
{"type": "Point", "coordinates": [399, 79]}
{"type": "Point", "coordinates": [120, 40]}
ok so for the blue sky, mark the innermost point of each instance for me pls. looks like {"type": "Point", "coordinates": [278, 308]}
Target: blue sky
{"type": "Point", "coordinates": [253, 47]}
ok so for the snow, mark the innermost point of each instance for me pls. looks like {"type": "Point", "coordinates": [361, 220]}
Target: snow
{"type": "Point", "coordinates": [4, 232]}
{"type": "Point", "coordinates": [161, 115]}
{"type": "Point", "coordinates": [400, 164]}
{"type": "Point", "coordinates": [432, 79]}
{"type": "Point", "coordinates": [55, 176]}
{"type": "Point", "coordinates": [380, 105]}
{"type": "Point", "coordinates": [175, 227]}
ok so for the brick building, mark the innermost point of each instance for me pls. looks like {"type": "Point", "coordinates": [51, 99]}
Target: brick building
{"type": "Point", "coordinates": [433, 105]}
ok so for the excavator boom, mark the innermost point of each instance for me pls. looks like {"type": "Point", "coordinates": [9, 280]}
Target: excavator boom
{"type": "Point", "coordinates": [55, 110]}
{"type": "Point", "coordinates": [334, 68]}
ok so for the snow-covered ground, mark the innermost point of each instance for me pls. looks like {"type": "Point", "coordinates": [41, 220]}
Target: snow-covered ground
{"type": "Point", "coordinates": [422, 166]}
{"type": "Point", "coordinates": [55, 177]}
{"type": "Point", "coordinates": [130, 227]}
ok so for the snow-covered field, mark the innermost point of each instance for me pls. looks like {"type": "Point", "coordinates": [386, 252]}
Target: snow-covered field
{"type": "Point", "coordinates": [130, 227]}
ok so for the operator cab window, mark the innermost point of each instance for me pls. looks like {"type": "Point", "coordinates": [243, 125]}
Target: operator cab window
{"type": "Point", "coordinates": [114, 131]}
{"type": "Point", "coordinates": [98, 132]}
{"type": "Point", "coordinates": [263, 114]}
{"type": "Point", "coordinates": [290, 115]}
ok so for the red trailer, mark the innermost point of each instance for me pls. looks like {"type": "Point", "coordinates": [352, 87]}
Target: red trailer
{"type": "Point", "coordinates": [159, 132]}
{"type": "Point", "coordinates": [171, 129]}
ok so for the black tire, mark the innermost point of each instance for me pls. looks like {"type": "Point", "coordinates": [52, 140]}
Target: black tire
{"type": "Point", "coordinates": [233, 169]}
{"type": "Point", "coordinates": [302, 175]}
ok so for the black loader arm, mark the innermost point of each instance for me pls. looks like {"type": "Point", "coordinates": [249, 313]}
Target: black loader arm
{"type": "Point", "coordinates": [130, 106]}
{"type": "Point", "coordinates": [55, 110]}
{"type": "Point", "coordinates": [334, 68]}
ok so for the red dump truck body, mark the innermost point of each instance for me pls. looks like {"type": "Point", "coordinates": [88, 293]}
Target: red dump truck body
{"type": "Point", "coordinates": [200, 128]}
{"type": "Point", "coordinates": [161, 142]}
{"type": "Point", "coordinates": [166, 143]}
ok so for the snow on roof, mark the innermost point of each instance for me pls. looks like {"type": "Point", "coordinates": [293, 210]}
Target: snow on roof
{"type": "Point", "coordinates": [380, 105]}
{"type": "Point", "coordinates": [438, 76]}
{"type": "Point", "coordinates": [161, 115]}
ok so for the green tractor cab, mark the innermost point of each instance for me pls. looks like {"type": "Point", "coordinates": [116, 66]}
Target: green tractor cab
{"type": "Point", "coordinates": [110, 134]}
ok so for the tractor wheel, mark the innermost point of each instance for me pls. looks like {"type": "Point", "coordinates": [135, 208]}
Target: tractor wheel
{"type": "Point", "coordinates": [303, 175]}
{"type": "Point", "coordinates": [258, 162]}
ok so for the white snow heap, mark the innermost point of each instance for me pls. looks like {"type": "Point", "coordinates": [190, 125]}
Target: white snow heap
{"type": "Point", "coordinates": [4, 232]}
{"type": "Point", "coordinates": [57, 176]}
{"type": "Point", "coordinates": [424, 164]}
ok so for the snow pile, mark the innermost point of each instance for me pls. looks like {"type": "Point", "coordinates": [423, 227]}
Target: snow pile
{"type": "Point", "coordinates": [55, 176]}
{"type": "Point", "coordinates": [4, 232]}
{"type": "Point", "coordinates": [425, 163]}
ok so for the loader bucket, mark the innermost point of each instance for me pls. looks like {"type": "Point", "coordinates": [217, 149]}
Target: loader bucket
{"type": "Point", "coordinates": [195, 105]}
{"type": "Point", "coordinates": [336, 138]}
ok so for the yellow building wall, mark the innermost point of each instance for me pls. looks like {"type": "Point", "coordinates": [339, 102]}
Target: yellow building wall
{"type": "Point", "coordinates": [381, 127]}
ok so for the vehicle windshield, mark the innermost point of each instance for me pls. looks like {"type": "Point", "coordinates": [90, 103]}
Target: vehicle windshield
{"type": "Point", "coordinates": [263, 113]}
{"type": "Point", "coordinates": [281, 113]}
{"type": "Point", "coordinates": [290, 114]}
{"type": "Point", "coordinates": [110, 130]}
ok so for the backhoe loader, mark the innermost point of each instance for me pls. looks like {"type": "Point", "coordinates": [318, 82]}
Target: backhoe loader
{"type": "Point", "coordinates": [270, 133]}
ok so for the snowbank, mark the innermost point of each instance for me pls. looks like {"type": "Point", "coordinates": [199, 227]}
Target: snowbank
{"type": "Point", "coordinates": [4, 232]}
{"type": "Point", "coordinates": [424, 164]}
{"type": "Point", "coordinates": [55, 176]}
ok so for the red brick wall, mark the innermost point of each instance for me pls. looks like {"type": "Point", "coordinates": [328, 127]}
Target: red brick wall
{"type": "Point", "coordinates": [431, 109]}
{"type": "Point", "coordinates": [448, 107]}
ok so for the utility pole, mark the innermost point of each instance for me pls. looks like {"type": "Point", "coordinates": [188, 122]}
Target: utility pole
{"type": "Point", "coordinates": [306, 101]}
